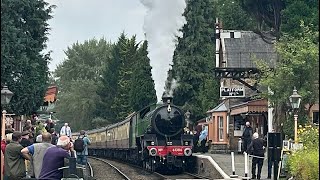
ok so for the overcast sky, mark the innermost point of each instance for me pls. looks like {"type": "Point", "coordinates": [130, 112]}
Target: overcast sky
{"type": "Point", "coordinates": [80, 20]}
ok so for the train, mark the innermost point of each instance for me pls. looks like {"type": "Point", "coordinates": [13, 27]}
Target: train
{"type": "Point", "coordinates": [153, 138]}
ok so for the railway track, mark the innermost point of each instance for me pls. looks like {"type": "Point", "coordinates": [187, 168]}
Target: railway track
{"type": "Point", "coordinates": [122, 174]}
{"type": "Point", "coordinates": [137, 173]}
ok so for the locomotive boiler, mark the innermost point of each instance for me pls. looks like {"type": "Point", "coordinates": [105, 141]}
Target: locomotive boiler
{"type": "Point", "coordinates": [152, 137]}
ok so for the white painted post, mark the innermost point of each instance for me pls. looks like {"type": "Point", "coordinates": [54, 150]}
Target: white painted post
{"type": "Point", "coordinates": [217, 42]}
{"type": "Point", "coordinates": [233, 167]}
{"type": "Point", "coordinates": [245, 165]}
{"type": "Point", "coordinates": [270, 112]}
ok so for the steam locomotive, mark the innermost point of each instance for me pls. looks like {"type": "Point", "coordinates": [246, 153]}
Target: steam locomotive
{"type": "Point", "coordinates": [152, 137]}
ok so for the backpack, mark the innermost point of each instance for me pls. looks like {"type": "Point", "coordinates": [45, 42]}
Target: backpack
{"type": "Point", "coordinates": [78, 144]}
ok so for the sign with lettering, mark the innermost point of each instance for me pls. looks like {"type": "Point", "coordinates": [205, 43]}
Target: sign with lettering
{"type": "Point", "coordinates": [232, 92]}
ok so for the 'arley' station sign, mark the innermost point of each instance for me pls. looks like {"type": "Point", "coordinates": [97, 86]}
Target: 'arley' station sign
{"type": "Point", "coordinates": [231, 91]}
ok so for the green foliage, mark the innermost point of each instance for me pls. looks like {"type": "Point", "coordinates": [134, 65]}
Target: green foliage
{"type": "Point", "coordinates": [121, 104]}
{"type": "Point", "coordinates": [99, 122]}
{"type": "Point", "coordinates": [233, 16]}
{"type": "Point", "coordinates": [297, 11]}
{"type": "Point", "coordinates": [304, 163]}
{"type": "Point", "coordinates": [194, 59]}
{"type": "Point", "coordinates": [24, 69]}
{"type": "Point", "coordinates": [297, 65]}
{"type": "Point", "coordinates": [78, 80]}
{"type": "Point", "coordinates": [266, 12]}
{"type": "Point", "coordinates": [127, 83]}
{"type": "Point", "coordinates": [142, 85]}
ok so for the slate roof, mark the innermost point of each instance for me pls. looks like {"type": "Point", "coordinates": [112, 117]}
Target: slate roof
{"type": "Point", "coordinates": [220, 108]}
{"type": "Point", "coordinates": [241, 52]}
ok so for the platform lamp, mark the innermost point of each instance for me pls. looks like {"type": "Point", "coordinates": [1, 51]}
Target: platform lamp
{"type": "Point", "coordinates": [295, 100]}
{"type": "Point", "coordinates": [6, 96]}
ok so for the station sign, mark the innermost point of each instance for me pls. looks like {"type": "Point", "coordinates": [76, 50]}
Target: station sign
{"type": "Point", "coordinates": [237, 91]}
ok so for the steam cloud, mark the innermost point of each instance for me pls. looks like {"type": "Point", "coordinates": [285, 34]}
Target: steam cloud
{"type": "Point", "coordinates": [162, 25]}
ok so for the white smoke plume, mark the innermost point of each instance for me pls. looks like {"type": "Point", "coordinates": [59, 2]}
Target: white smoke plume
{"type": "Point", "coordinates": [162, 25]}
{"type": "Point", "coordinates": [174, 85]}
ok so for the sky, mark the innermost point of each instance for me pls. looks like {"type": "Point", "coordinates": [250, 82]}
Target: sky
{"type": "Point", "coordinates": [80, 20]}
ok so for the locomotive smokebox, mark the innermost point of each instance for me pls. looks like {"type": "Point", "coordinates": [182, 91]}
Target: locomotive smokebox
{"type": "Point", "coordinates": [167, 99]}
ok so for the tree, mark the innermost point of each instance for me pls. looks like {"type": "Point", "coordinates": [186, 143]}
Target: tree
{"type": "Point", "coordinates": [297, 65]}
{"type": "Point", "coordinates": [121, 103]}
{"type": "Point", "coordinates": [142, 85]}
{"type": "Point", "coordinates": [24, 66]}
{"type": "Point", "coordinates": [297, 11]}
{"type": "Point", "coordinates": [78, 80]}
{"type": "Point", "coordinates": [266, 12]}
{"type": "Point", "coordinates": [194, 59]}
{"type": "Point", "coordinates": [233, 17]}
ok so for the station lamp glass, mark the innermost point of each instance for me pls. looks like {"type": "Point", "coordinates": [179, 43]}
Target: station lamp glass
{"type": "Point", "coordinates": [6, 95]}
{"type": "Point", "coordinates": [295, 99]}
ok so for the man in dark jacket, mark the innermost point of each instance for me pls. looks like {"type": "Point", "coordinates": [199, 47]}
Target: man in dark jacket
{"type": "Point", "coordinates": [257, 147]}
{"type": "Point", "coordinates": [13, 160]}
{"type": "Point", "coordinates": [247, 136]}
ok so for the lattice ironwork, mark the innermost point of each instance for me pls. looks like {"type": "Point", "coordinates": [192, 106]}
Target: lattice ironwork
{"type": "Point", "coordinates": [235, 72]}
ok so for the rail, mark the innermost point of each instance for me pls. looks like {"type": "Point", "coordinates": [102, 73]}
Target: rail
{"type": "Point", "coordinates": [114, 167]}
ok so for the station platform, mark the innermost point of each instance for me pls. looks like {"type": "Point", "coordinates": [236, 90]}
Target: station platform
{"type": "Point", "coordinates": [223, 161]}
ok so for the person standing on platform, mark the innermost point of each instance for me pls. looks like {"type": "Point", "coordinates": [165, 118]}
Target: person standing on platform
{"type": "Point", "coordinates": [65, 130]}
{"type": "Point", "coordinates": [82, 155]}
{"type": "Point", "coordinates": [257, 149]}
{"type": "Point", "coordinates": [13, 160]}
{"type": "Point", "coordinates": [203, 139]}
{"type": "Point", "coordinates": [247, 136]}
{"type": "Point", "coordinates": [37, 151]}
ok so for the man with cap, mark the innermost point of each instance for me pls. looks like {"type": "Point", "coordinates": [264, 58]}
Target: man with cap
{"type": "Point", "coordinates": [246, 136]}
{"type": "Point", "coordinates": [13, 160]}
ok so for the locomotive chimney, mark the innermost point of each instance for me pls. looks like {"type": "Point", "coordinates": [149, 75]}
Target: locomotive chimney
{"type": "Point", "coordinates": [166, 99]}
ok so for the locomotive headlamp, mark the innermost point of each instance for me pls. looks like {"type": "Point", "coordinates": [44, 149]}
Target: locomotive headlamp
{"type": "Point", "coordinates": [186, 143]}
{"type": "Point", "coordinates": [187, 151]}
{"type": "Point", "coordinates": [169, 108]}
{"type": "Point", "coordinates": [153, 151]}
{"type": "Point", "coordinates": [152, 143]}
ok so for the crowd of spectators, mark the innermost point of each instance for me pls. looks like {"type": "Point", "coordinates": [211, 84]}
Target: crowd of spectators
{"type": "Point", "coordinates": [37, 151]}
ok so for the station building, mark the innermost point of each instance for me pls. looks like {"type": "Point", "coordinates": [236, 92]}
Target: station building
{"type": "Point", "coordinates": [236, 55]}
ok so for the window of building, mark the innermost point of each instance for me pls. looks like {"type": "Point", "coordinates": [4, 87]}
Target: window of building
{"type": "Point", "coordinates": [238, 123]}
{"type": "Point", "coordinates": [315, 117]}
{"type": "Point", "coordinates": [220, 118]}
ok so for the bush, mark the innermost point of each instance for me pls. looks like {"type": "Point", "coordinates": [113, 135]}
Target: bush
{"type": "Point", "coordinates": [304, 163]}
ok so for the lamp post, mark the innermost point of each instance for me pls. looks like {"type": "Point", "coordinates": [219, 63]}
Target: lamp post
{"type": "Point", "coordinates": [295, 100]}
{"type": "Point", "coordinates": [6, 96]}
